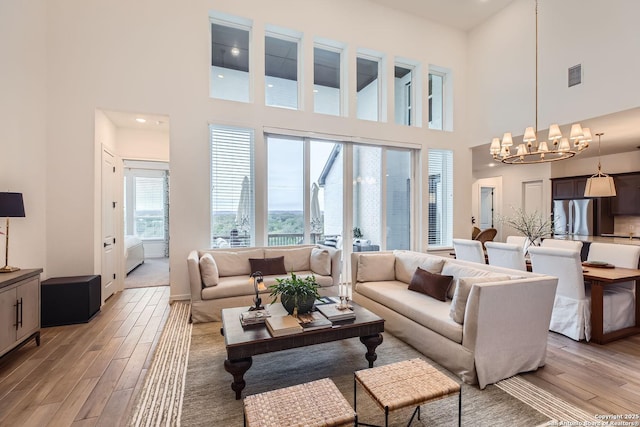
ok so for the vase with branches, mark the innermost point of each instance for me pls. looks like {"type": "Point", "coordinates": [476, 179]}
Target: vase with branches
{"type": "Point", "coordinates": [532, 225]}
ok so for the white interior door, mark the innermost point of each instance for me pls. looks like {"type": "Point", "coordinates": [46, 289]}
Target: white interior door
{"type": "Point", "coordinates": [533, 197]}
{"type": "Point", "coordinates": [108, 224]}
{"type": "Point", "coordinates": [486, 207]}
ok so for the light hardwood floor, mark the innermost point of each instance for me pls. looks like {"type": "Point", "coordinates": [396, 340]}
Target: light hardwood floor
{"type": "Point", "coordinates": [601, 379]}
{"type": "Point", "coordinates": [90, 374]}
{"type": "Point", "coordinates": [87, 374]}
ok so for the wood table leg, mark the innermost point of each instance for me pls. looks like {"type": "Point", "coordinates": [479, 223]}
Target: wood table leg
{"type": "Point", "coordinates": [597, 317]}
{"type": "Point", "coordinates": [371, 342]}
{"type": "Point", "coordinates": [237, 368]}
{"type": "Point", "coordinates": [637, 292]}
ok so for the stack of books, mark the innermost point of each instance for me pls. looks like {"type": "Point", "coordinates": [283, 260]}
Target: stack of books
{"type": "Point", "coordinates": [324, 300]}
{"type": "Point", "coordinates": [255, 317]}
{"type": "Point", "coordinates": [331, 312]}
{"type": "Point", "coordinates": [283, 325]}
{"type": "Point", "coordinates": [313, 320]}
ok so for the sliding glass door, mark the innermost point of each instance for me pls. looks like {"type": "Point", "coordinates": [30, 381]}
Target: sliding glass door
{"type": "Point", "coordinates": [308, 201]}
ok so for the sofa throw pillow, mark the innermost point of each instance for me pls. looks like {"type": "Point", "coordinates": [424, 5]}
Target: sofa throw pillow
{"type": "Point", "coordinates": [208, 270]}
{"type": "Point", "coordinates": [432, 284]}
{"type": "Point", "coordinates": [320, 261]}
{"type": "Point", "coordinates": [235, 263]}
{"type": "Point", "coordinates": [376, 267]}
{"type": "Point", "coordinates": [268, 266]}
{"type": "Point", "coordinates": [331, 242]}
{"type": "Point", "coordinates": [457, 270]}
{"type": "Point", "coordinates": [461, 294]}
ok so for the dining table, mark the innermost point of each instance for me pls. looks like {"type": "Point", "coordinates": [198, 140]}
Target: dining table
{"type": "Point", "coordinates": [600, 278]}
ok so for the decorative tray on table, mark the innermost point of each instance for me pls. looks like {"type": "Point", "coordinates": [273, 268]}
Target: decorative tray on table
{"type": "Point", "coordinates": [598, 264]}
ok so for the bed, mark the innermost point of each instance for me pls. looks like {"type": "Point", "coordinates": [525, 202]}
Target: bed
{"type": "Point", "coordinates": [133, 253]}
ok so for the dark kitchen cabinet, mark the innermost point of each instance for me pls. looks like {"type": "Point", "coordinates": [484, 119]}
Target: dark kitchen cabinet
{"type": "Point", "coordinates": [627, 200]}
{"type": "Point", "coordinates": [568, 188]}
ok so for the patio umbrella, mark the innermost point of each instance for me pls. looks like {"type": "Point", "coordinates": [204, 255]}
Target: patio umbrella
{"type": "Point", "coordinates": [316, 216]}
{"type": "Point", "coordinates": [243, 216]}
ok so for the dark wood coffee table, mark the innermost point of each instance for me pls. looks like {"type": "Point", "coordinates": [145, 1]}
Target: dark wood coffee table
{"type": "Point", "coordinates": [243, 343]}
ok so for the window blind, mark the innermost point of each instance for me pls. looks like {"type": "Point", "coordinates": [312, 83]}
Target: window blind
{"type": "Point", "coordinates": [440, 198]}
{"type": "Point", "coordinates": [232, 208]}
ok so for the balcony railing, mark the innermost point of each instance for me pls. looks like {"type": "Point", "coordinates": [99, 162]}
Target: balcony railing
{"type": "Point", "coordinates": [278, 239]}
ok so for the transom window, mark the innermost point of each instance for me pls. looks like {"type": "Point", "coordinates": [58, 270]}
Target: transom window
{"type": "Point", "coordinates": [281, 71]}
{"type": "Point", "coordinates": [230, 61]}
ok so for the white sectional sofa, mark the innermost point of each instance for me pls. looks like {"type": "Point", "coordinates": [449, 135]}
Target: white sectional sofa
{"type": "Point", "coordinates": [503, 329]}
{"type": "Point", "coordinates": [223, 279]}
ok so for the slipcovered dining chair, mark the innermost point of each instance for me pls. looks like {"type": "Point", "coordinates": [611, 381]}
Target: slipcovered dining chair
{"type": "Point", "coordinates": [522, 241]}
{"type": "Point", "coordinates": [571, 315]}
{"type": "Point", "coordinates": [575, 245]}
{"type": "Point", "coordinates": [469, 250]}
{"type": "Point", "coordinates": [625, 256]}
{"type": "Point", "coordinates": [506, 255]}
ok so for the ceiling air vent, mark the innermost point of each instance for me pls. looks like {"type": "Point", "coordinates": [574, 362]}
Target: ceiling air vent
{"type": "Point", "coordinates": [575, 75]}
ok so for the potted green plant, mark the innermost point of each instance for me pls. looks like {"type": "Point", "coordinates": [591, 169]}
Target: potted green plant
{"type": "Point", "coordinates": [357, 233]}
{"type": "Point", "coordinates": [297, 295]}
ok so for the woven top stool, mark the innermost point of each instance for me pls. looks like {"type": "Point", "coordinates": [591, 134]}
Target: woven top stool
{"type": "Point", "coordinates": [406, 383]}
{"type": "Point", "coordinates": [313, 404]}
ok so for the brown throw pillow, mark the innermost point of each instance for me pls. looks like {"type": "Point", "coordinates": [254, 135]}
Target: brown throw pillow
{"type": "Point", "coordinates": [268, 266]}
{"type": "Point", "coordinates": [432, 284]}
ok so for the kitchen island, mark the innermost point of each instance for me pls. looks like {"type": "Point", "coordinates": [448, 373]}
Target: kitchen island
{"type": "Point", "coordinates": [601, 239]}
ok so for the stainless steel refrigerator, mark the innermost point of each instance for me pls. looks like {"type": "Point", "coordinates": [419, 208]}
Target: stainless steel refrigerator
{"type": "Point", "coordinates": [573, 217]}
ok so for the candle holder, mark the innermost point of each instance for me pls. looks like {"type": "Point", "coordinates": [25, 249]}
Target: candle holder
{"type": "Point", "coordinates": [343, 293]}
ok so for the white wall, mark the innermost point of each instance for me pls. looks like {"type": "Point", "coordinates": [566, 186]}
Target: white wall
{"type": "Point", "coordinates": [142, 144]}
{"type": "Point", "coordinates": [23, 124]}
{"type": "Point", "coordinates": [127, 56]}
{"type": "Point", "coordinates": [511, 193]}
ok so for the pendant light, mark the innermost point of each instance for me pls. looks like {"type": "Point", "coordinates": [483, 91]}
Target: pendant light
{"type": "Point", "coordinates": [600, 184]}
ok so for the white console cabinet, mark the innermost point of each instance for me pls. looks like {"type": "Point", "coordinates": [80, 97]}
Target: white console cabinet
{"type": "Point", "coordinates": [19, 308]}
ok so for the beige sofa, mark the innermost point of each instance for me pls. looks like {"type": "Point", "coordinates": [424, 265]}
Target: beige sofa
{"type": "Point", "coordinates": [503, 329]}
{"type": "Point", "coordinates": [228, 281]}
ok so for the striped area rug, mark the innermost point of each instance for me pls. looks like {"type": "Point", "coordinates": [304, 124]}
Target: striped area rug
{"type": "Point", "coordinates": [160, 401]}
{"type": "Point", "coordinates": [543, 401]}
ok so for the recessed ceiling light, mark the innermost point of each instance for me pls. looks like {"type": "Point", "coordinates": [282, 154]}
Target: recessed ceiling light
{"type": "Point", "coordinates": [235, 51]}
{"type": "Point", "coordinates": [220, 76]}
{"type": "Point", "coordinates": [269, 85]}
{"type": "Point", "coordinates": [315, 91]}
{"type": "Point", "coordinates": [491, 165]}
{"type": "Point", "coordinates": [141, 120]}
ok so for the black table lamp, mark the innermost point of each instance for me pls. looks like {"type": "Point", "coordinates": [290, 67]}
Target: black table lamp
{"type": "Point", "coordinates": [258, 285]}
{"type": "Point", "coordinates": [11, 206]}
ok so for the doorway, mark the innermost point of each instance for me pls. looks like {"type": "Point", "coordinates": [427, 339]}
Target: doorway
{"type": "Point", "coordinates": [487, 204]}
{"type": "Point", "coordinates": [487, 207]}
{"type": "Point", "coordinates": [108, 273]}
{"type": "Point", "coordinates": [146, 223]}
